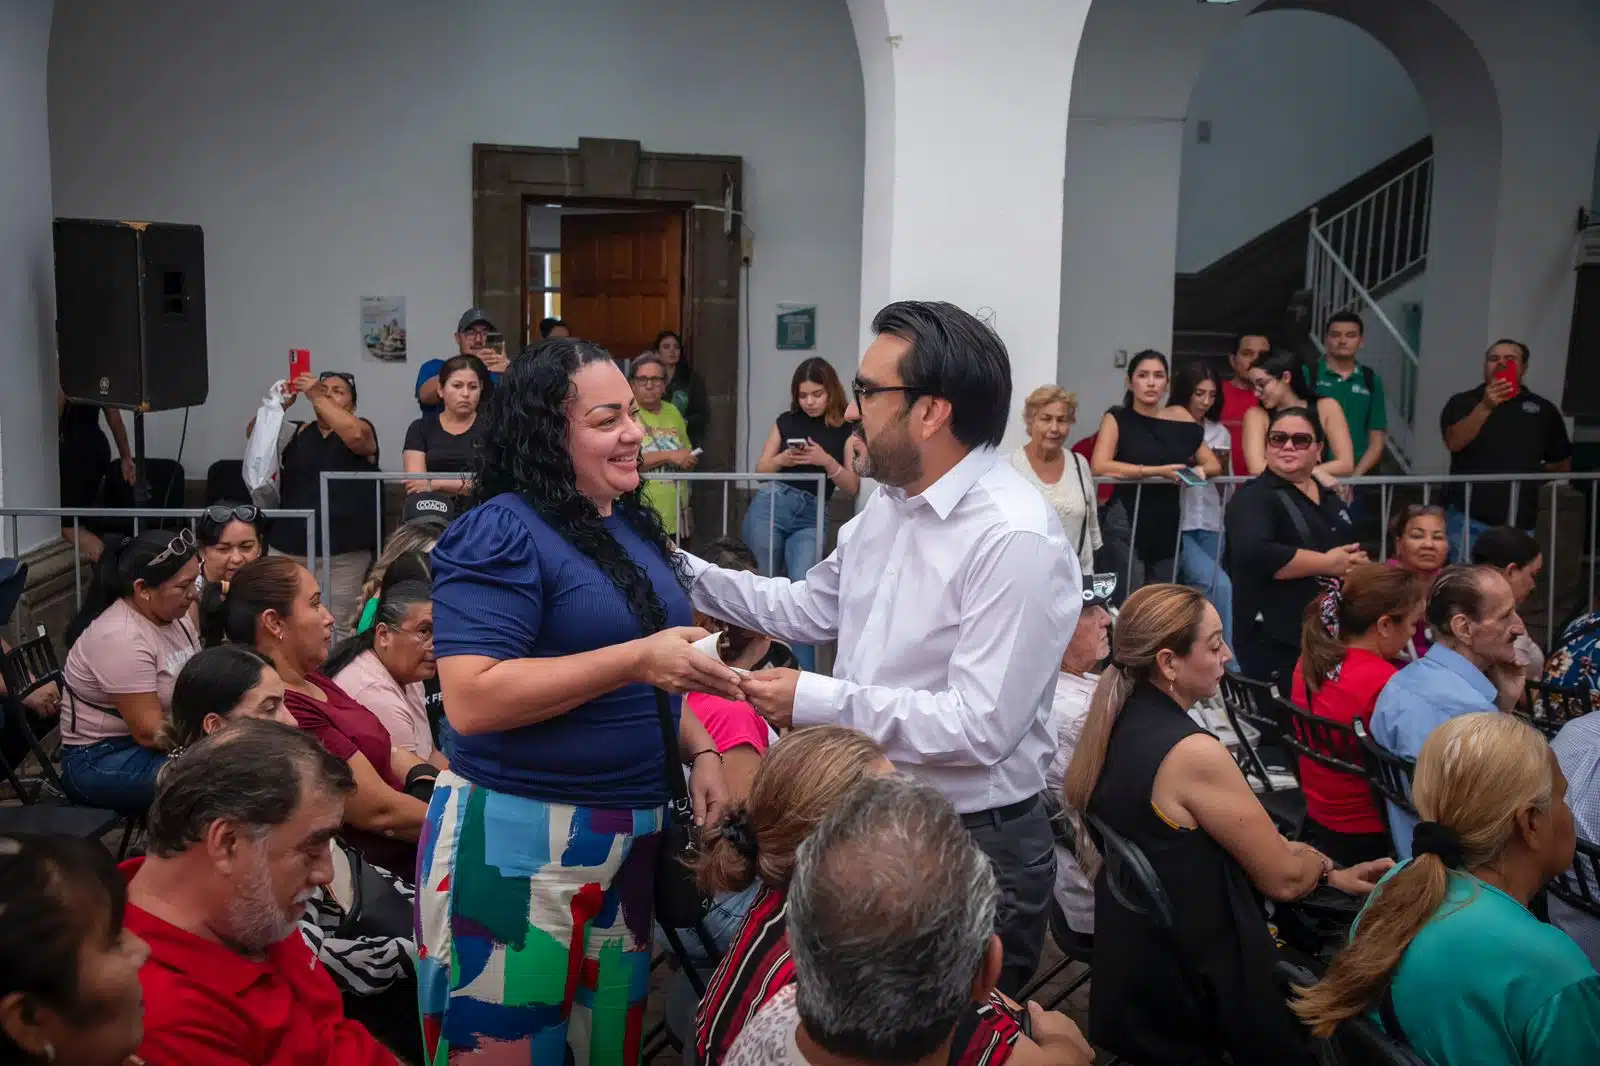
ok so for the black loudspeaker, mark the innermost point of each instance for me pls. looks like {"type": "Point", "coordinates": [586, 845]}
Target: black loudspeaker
{"type": "Point", "coordinates": [131, 313]}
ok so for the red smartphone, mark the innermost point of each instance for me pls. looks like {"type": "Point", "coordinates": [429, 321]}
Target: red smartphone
{"type": "Point", "coordinates": [1508, 373]}
{"type": "Point", "coordinates": [299, 363]}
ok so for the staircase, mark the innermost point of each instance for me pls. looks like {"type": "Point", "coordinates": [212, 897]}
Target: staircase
{"type": "Point", "coordinates": [1348, 251]}
{"type": "Point", "coordinates": [1357, 256]}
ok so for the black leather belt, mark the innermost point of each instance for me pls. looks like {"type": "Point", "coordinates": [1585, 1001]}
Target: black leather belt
{"type": "Point", "coordinates": [994, 816]}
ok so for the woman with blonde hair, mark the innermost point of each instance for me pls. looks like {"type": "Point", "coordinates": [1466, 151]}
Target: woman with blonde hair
{"type": "Point", "coordinates": [417, 535]}
{"type": "Point", "coordinates": [1062, 475]}
{"type": "Point", "coordinates": [1144, 769]}
{"type": "Point", "coordinates": [1446, 954]}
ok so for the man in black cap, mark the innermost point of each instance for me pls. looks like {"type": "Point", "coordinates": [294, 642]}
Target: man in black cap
{"type": "Point", "coordinates": [472, 338]}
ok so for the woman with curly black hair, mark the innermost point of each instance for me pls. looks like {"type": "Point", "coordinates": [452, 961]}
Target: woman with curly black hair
{"type": "Point", "coordinates": [558, 609]}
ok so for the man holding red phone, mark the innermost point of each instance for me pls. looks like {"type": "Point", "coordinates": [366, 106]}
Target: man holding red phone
{"type": "Point", "coordinates": [1500, 427]}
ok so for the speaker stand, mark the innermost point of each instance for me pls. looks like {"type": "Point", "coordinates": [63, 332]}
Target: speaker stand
{"type": "Point", "coordinates": [141, 486]}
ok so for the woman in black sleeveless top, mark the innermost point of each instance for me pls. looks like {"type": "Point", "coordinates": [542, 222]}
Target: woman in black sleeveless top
{"type": "Point", "coordinates": [1202, 988]}
{"type": "Point", "coordinates": [811, 437]}
{"type": "Point", "coordinates": [1143, 439]}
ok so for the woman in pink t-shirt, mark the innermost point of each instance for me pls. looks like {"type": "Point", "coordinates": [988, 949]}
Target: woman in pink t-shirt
{"type": "Point", "coordinates": [1420, 546]}
{"type": "Point", "coordinates": [274, 605]}
{"type": "Point", "coordinates": [385, 663]}
{"type": "Point", "coordinates": [126, 647]}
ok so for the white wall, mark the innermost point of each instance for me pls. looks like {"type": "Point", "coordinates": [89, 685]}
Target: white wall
{"type": "Point", "coordinates": [1299, 103]}
{"type": "Point", "coordinates": [326, 149]}
{"type": "Point", "coordinates": [27, 271]}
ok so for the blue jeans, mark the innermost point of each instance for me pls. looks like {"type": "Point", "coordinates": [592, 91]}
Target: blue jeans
{"type": "Point", "coordinates": [1454, 521]}
{"type": "Point", "coordinates": [781, 528]}
{"type": "Point", "coordinates": [1198, 566]}
{"type": "Point", "coordinates": [118, 774]}
{"type": "Point", "coordinates": [722, 923]}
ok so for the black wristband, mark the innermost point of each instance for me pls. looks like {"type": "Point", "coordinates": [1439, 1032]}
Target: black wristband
{"type": "Point", "coordinates": [704, 751]}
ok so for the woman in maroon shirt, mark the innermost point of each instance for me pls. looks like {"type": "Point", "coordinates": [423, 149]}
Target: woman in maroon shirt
{"type": "Point", "coordinates": [274, 605]}
{"type": "Point", "coordinates": [1347, 647]}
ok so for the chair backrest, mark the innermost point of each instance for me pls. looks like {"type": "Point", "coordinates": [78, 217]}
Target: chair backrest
{"type": "Point", "coordinates": [30, 666]}
{"type": "Point", "coordinates": [1130, 877]}
{"type": "Point", "coordinates": [1548, 706]}
{"type": "Point", "coordinates": [1579, 887]}
{"type": "Point", "coordinates": [1359, 1041]}
{"type": "Point", "coordinates": [27, 668]}
{"type": "Point", "coordinates": [1323, 741]}
{"type": "Point", "coordinates": [1388, 773]}
{"type": "Point", "coordinates": [225, 481]}
{"type": "Point", "coordinates": [1241, 702]}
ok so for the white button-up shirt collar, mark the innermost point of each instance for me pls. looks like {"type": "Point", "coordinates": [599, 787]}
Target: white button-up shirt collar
{"type": "Point", "coordinates": [951, 610]}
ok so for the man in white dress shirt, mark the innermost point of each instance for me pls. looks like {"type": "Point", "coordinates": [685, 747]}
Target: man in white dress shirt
{"type": "Point", "coordinates": [952, 596]}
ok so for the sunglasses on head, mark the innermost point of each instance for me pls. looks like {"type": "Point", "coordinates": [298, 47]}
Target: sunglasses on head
{"type": "Point", "coordinates": [349, 379]}
{"type": "Point", "coordinates": [182, 544]}
{"type": "Point", "coordinates": [1298, 441]}
{"type": "Point", "coordinates": [221, 514]}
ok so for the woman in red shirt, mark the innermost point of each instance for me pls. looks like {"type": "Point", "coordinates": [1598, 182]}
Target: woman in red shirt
{"type": "Point", "coordinates": [1347, 645]}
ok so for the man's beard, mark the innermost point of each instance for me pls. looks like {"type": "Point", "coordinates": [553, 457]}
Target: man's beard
{"type": "Point", "coordinates": [255, 921]}
{"type": "Point", "coordinates": [890, 457]}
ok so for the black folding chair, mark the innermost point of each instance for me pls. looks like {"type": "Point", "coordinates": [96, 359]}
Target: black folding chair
{"type": "Point", "coordinates": [1075, 947]}
{"type": "Point", "coordinates": [1323, 741]}
{"type": "Point", "coordinates": [1579, 887]}
{"type": "Point", "coordinates": [1131, 879]}
{"type": "Point", "coordinates": [27, 668]}
{"type": "Point", "coordinates": [1547, 707]}
{"type": "Point", "coordinates": [1247, 701]}
{"type": "Point", "coordinates": [1388, 774]}
{"type": "Point", "coordinates": [40, 813]}
{"type": "Point", "coordinates": [1358, 1041]}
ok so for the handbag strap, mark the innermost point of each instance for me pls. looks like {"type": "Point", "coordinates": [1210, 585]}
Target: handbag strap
{"type": "Point", "coordinates": [674, 757]}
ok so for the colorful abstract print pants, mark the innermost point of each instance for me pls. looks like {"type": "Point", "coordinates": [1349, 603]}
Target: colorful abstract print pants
{"type": "Point", "coordinates": [533, 929]}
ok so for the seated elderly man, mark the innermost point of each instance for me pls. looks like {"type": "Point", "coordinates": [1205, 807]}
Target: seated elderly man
{"type": "Point", "coordinates": [891, 919]}
{"type": "Point", "coordinates": [1472, 666]}
{"type": "Point", "coordinates": [1089, 647]}
{"type": "Point", "coordinates": [237, 842]}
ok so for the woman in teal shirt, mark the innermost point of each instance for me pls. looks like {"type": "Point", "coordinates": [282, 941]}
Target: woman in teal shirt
{"type": "Point", "coordinates": [1446, 955]}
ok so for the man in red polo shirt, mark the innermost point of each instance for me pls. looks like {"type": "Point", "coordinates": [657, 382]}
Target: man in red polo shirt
{"type": "Point", "coordinates": [238, 839]}
{"type": "Point", "coordinates": [1238, 395]}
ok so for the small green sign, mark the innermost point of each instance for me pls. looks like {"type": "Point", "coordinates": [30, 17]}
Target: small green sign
{"type": "Point", "coordinates": [797, 327]}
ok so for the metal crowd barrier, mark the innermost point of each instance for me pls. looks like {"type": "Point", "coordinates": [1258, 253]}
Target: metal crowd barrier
{"type": "Point", "coordinates": [1429, 484]}
{"type": "Point", "coordinates": [377, 477]}
{"type": "Point", "coordinates": [13, 515]}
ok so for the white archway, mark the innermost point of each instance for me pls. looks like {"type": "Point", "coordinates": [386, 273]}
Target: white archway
{"type": "Point", "coordinates": [1139, 61]}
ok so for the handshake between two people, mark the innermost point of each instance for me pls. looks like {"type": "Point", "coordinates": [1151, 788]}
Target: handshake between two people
{"type": "Point", "coordinates": [685, 659]}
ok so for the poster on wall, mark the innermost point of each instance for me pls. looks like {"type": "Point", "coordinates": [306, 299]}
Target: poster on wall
{"type": "Point", "coordinates": [797, 327]}
{"type": "Point", "coordinates": [383, 327]}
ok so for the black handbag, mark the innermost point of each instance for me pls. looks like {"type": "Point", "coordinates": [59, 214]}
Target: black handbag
{"type": "Point", "coordinates": [679, 902]}
{"type": "Point", "coordinates": [377, 907]}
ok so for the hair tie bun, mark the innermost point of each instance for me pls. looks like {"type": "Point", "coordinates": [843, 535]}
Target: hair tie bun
{"type": "Point", "coordinates": [1431, 838]}
{"type": "Point", "coordinates": [737, 831]}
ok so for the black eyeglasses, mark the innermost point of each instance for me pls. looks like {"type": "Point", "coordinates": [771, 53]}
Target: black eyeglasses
{"type": "Point", "coordinates": [182, 544]}
{"type": "Point", "coordinates": [1298, 441]}
{"type": "Point", "coordinates": [349, 379]}
{"type": "Point", "coordinates": [221, 514]}
{"type": "Point", "coordinates": [649, 379]}
{"type": "Point", "coordinates": [861, 391]}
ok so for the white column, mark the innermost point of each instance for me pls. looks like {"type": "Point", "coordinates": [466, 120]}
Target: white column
{"type": "Point", "coordinates": [27, 271]}
{"type": "Point", "coordinates": [966, 142]}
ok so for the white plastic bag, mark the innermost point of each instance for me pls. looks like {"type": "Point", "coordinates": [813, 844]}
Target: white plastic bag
{"type": "Point", "coordinates": [261, 453]}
